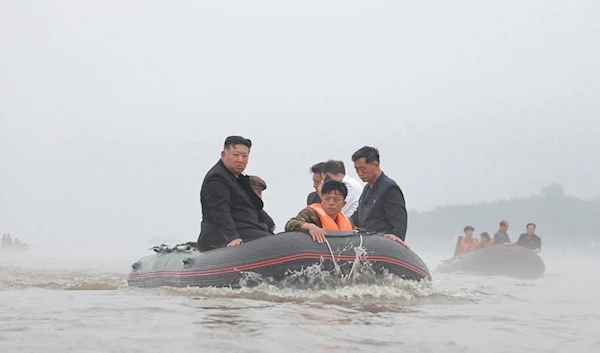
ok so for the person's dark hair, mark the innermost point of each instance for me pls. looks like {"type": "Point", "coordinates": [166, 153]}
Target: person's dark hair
{"type": "Point", "coordinates": [370, 154]}
{"type": "Point", "coordinates": [468, 228]}
{"type": "Point", "coordinates": [334, 185]}
{"type": "Point", "coordinates": [530, 224]}
{"type": "Point", "coordinates": [236, 140]}
{"type": "Point", "coordinates": [317, 168]}
{"type": "Point", "coordinates": [334, 167]}
{"type": "Point", "coordinates": [485, 235]}
{"type": "Point", "coordinates": [503, 224]}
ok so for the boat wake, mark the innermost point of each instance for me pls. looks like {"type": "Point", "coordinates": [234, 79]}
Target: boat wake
{"type": "Point", "coordinates": [315, 283]}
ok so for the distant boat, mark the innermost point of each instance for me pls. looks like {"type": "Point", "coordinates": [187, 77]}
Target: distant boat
{"type": "Point", "coordinates": [511, 261]}
{"type": "Point", "coordinates": [14, 248]}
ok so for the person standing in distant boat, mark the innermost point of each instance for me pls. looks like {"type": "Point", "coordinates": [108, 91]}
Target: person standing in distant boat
{"type": "Point", "coordinates": [466, 243]}
{"type": "Point", "coordinates": [530, 240]}
{"type": "Point", "coordinates": [317, 179]}
{"type": "Point", "coordinates": [381, 207]}
{"type": "Point", "coordinates": [336, 171]}
{"type": "Point", "coordinates": [501, 237]}
{"type": "Point", "coordinates": [258, 186]}
{"type": "Point", "coordinates": [231, 210]}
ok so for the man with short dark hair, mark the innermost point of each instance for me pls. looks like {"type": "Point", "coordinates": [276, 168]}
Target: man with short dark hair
{"type": "Point", "coordinates": [231, 211]}
{"type": "Point", "coordinates": [530, 240]}
{"type": "Point", "coordinates": [501, 237]}
{"type": "Point", "coordinates": [317, 178]}
{"type": "Point", "coordinates": [381, 207]}
{"type": "Point", "coordinates": [337, 171]}
{"type": "Point", "coordinates": [327, 215]}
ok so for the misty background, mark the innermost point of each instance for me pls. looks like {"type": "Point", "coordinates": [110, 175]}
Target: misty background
{"type": "Point", "coordinates": [112, 112]}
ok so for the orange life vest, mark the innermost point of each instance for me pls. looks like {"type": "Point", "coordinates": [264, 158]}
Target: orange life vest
{"type": "Point", "coordinates": [467, 247]}
{"type": "Point", "coordinates": [341, 223]}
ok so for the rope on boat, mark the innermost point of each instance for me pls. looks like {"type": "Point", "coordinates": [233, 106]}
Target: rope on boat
{"type": "Point", "coordinates": [162, 248]}
{"type": "Point", "coordinates": [359, 251]}
{"type": "Point", "coordinates": [335, 264]}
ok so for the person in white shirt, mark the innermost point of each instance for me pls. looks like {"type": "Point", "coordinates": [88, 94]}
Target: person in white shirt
{"type": "Point", "coordinates": [336, 171]}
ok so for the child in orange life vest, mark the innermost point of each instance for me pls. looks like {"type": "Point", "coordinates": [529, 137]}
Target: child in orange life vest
{"type": "Point", "coordinates": [466, 243]}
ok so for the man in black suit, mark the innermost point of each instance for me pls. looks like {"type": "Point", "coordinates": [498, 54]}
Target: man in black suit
{"type": "Point", "coordinates": [231, 211]}
{"type": "Point", "coordinates": [381, 207]}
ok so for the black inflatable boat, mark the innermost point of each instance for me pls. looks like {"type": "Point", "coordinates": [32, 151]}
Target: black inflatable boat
{"type": "Point", "coordinates": [275, 257]}
{"type": "Point", "coordinates": [512, 261]}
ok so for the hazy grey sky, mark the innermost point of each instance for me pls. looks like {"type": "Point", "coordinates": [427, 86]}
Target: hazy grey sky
{"type": "Point", "coordinates": [112, 111]}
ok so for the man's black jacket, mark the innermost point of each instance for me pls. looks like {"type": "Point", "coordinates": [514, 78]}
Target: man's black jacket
{"type": "Point", "coordinates": [228, 207]}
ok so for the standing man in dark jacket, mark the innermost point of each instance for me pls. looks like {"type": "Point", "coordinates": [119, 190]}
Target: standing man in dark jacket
{"type": "Point", "coordinates": [231, 211]}
{"type": "Point", "coordinates": [381, 207]}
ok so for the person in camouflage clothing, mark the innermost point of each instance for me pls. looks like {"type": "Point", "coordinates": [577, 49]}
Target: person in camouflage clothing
{"type": "Point", "coordinates": [319, 217]}
{"type": "Point", "coordinates": [327, 215]}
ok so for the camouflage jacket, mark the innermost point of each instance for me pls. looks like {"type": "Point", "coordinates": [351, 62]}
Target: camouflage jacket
{"type": "Point", "coordinates": [307, 215]}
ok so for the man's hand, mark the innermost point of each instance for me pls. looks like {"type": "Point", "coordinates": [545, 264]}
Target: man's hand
{"type": "Point", "coordinates": [234, 242]}
{"type": "Point", "coordinates": [396, 239]}
{"type": "Point", "coordinates": [317, 234]}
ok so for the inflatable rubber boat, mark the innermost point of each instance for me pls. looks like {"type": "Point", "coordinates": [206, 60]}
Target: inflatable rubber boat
{"type": "Point", "coordinates": [512, 261]}
{"type": "Point", "coordinates": [275, 257]}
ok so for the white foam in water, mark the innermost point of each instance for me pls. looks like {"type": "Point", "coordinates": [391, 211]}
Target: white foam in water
{"type": "Point", "coordinates": [313, 282]}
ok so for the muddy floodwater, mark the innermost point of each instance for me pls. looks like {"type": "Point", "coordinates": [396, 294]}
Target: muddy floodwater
{"type": "Point", "coordinates": [58, 303]}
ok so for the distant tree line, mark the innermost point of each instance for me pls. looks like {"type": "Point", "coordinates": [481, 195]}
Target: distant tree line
{"type": "Point", "coordinates": [562, 221]}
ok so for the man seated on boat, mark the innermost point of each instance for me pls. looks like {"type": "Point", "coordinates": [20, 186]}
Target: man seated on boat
{"type": "Point", "coordinates": [501, 237]}
{"type": "Point", "coordinates": [327, 215]}
{"type": "Point", "coordinates": [231, 211]}
{"type": "Point", "coordinates": [485, 241]}
{"type": "Point", "coordinates": [336, 171]}
{"type": "Point", "coordinates": [381, 207]}
{"type": "Point", "coordinates": [530, 240]}
{"type": "Point", "coordinates": [466, 243]}
{"type": "Point", "coordinates": [258, 186]}
{"type": "Point", "coordinates": [317, 178]}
